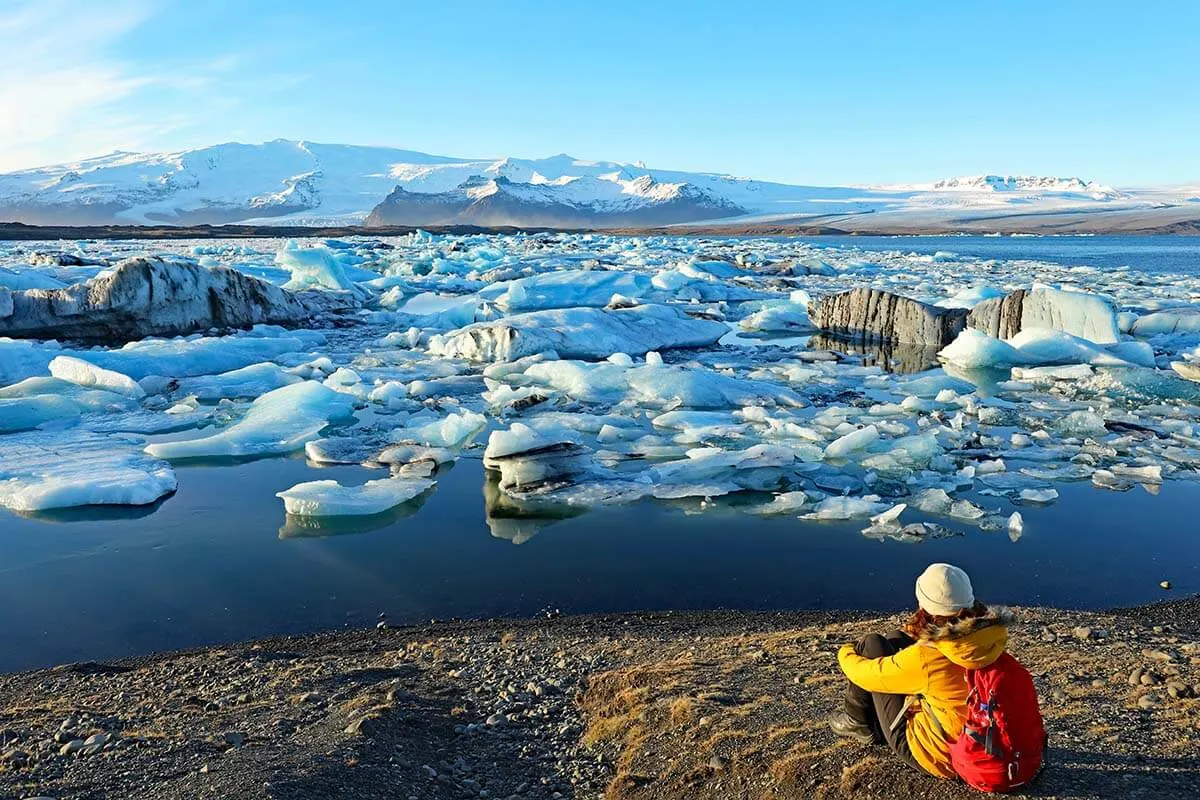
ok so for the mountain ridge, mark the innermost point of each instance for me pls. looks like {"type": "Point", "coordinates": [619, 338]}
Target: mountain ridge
{"type": "Point", "coordinates": [302, 182]}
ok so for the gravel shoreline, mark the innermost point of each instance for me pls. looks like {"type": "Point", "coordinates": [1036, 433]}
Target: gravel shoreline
{"type": "Point", "coordinates": [654, 705]}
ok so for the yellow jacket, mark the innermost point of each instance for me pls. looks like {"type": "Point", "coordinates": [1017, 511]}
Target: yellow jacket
{"type": "Point", "coordinates": [933, 672]}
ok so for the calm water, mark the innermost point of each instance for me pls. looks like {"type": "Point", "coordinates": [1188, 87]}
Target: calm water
{"type": "Point", "coordinates": [1142, 253]}
{"type": "Point", "coordinates": [219, 561]}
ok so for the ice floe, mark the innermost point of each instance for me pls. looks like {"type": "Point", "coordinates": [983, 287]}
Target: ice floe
{"type": "Point", "coordinates": [332, 499]}
{"type": "Point", "coordinates": [44, 470]}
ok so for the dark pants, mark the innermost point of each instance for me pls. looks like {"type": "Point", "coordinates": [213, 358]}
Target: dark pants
{"type": "Point", "coordinates": [881, 711]}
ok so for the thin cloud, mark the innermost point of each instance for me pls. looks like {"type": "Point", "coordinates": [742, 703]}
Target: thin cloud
{"type": "Point", "coordinates": [68, 83]}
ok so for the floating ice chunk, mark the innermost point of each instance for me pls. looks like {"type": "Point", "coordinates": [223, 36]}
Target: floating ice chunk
{"type": "Point", "coordinates": [331, 499]}
{"type": "Point", "coordinates": [567, 289]}
{"type": "Point", "coordinates": [25, 413]}
{"type": "Point", "coordinates": [251, 381]}
{"type": "Point", "coordinates": [1072, 372]}
{"type": "Point", "coordinates": [583, 333]}
{"type": "Point", "coordinates": [21, 359]}
{"type": "Point", "coordinates": [527, 458]}
{"type": "Point", "coordinates": [836, 508]}
{"type": "Point", "coordinates": [1016, 526]}
{"type": "Point", "coordinates": [933, 501]}
{"type": "Point", "coordinates": [43, 470]}
{"type": "Point", "coordinates": [1081, 423]}
{"type": "Point", "coordinates": [281, 421]}
{"type": "Point", "coordinates": [965, 509]}
{"type": "Point", "coordinates": [183, 358]}
{"type": "Point", "coordinates": [657, 385]}
{"type": "Point", "coordinates": [928, 386]}
{"type": "Point", "coordinates": [890, 516]}
{"type": "Point", "coordinates": [779, 316]}
{"type": "Point", "coordinates": [317, 267]}
{"type": "Point", "coordinates": [390, 394]}
{"type": "Point", "coordinates": [760, 467]}
{"type": "Point", "coordinates": [970, 297]}
{"type": "Point", "coordinates": [851, 442]}
{"type": "Point", "coordinates": [1175, 320]}
{"type": "Point", "coordinates": [1187, 369]}
{"type": "Point", "coordinates": [402, 454]}
{"type": "Point", "coordinates": [1147, 474]}
{"type": "Point", "coordinates": [453, 431]}
{"type": "Point", "coordinates": [1040, 496]}
{"type": "Point", "coordinates": [1088, 316]}
{"type": "Point", "coordinates": [974, 349]}
{"type": "Point", "coordinates": [80, 372]}
{"type": "Point", "coordinates": [28, 279]}
{"type": "Point", "coordinates": [786, 503]}
{"type": "Point", "coordinates": [1107, 480]}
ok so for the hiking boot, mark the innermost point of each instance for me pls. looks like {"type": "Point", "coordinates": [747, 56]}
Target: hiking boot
{"type": "Point", "coordinates": [844, 725]}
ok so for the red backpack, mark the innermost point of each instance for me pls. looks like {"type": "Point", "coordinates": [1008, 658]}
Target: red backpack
{"type": "Point", "coordinates": [1002, 743]}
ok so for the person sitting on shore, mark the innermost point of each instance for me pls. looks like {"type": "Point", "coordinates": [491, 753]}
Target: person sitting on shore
{"type": "Point", "coordinates": [910, 689]}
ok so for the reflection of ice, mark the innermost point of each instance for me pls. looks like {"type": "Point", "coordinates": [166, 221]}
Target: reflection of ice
{"type": "Point", "coordinates": [896, 357]}
{"type": "Point", "coordinates": [519, 521]}
{"type": "Point", "coordinates": [301, 527]}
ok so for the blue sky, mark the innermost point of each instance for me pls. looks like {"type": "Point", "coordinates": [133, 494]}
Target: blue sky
{"type": "Point", "coordinates": [820, 93]}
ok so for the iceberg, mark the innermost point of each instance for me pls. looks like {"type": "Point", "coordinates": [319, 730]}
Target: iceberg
{"type": "Point", "coordinates": [318, 267]}
{"type": "Point", "coordinates": [1087, 316]}
{"type": "Point", "coordinates": [281, 421]}
{"type": "Point", "coordinates": [589, 334]}
{"type": "Point", "coordinates": [155, 296]}
{"type": "Point", "coordinates": [43, 470]}
{"type": "Point", "coordinates": [331, 499]}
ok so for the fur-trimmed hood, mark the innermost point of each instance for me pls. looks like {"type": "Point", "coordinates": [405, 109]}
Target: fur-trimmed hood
{"type": "Point", "coordinates": [974, 642]}
{"type": "Point", "coordinates": [996, 615]}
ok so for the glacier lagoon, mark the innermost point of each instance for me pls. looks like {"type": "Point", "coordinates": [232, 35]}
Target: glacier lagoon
{"type": "Point", "coordinates": [741, 464]}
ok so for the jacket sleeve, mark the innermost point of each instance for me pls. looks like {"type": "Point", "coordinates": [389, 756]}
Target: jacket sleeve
{"type": "Point", "coordinates": [903, 673]}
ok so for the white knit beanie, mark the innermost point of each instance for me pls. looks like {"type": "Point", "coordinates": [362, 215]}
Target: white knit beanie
{"type": "Point", "coordinates": [944, 590]}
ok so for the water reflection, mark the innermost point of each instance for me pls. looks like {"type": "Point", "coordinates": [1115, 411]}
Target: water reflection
{"type": "Point", "coordinates": [897, 357]}
{"type": "Point", "coordinates": [94, 513]}
{"type": "Point", "coordinates": [519, 521]}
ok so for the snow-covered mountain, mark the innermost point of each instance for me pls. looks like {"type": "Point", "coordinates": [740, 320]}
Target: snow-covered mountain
{"type": "Point", "coordinates": [299, 182]}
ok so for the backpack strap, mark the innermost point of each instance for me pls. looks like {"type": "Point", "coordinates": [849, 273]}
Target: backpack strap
{"type": "Point", "coordinates": [908, 701]}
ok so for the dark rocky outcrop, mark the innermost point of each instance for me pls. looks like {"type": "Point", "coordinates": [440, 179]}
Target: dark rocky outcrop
{"type": "Point", "coordinates": [502, 202]}
{"type": "Point", "coordinates": [156, 296]}
{"type": "Point", "coordinates": [876, 314]}
{"type": "Point", "coordinates": [999, 317]}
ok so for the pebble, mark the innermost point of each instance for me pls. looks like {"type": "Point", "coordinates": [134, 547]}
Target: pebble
{"type": "Point", "coordinates": [70, 747]}
{"type": "Point", "coordinates": [1148, 701]}
{"type": "Point", "coordinates": [1135, 677]}
{"type": "Point", "coordinates": [1165, 584]}
{"type": "Point", "coordinates": [717, 762]}
{"type": "Point", "coordinates": [1150, 679]}
{"type": "Point", "coordinates": [496, 720]}
{"type": "Point", "coordinates": [1178, 690]}
{"type": "Point", "coordinates": [234, 739]}
{"type": "Point", "coordinates": [100, 739]}
{"type": "Point", "coordinates": [1082, 633]}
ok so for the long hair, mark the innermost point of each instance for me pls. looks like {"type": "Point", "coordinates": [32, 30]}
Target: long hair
{"type": "Point", "coordinates": [921, 621]}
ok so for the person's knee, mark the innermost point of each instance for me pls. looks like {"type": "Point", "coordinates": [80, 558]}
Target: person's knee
{"type": "Point", "coordinates": [873, 646]}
